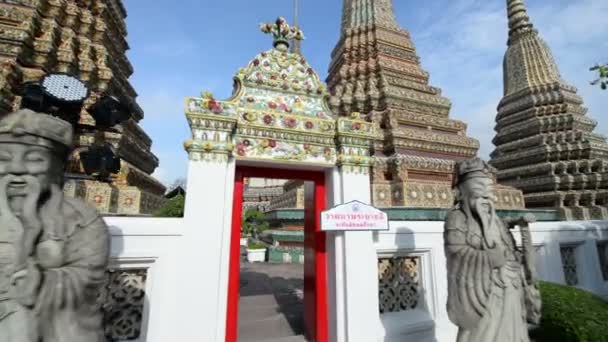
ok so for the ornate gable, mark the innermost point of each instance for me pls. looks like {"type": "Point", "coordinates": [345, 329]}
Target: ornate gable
{"type": "Point", "coordinates": [278, 112]}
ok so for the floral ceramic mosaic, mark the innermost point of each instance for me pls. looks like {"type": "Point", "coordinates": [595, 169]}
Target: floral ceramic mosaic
{"type": "Point", "coordinates": [278, 112]}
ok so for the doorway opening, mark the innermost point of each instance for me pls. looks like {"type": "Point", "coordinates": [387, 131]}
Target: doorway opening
{"type": "Point", "coordinates": [278, 297]}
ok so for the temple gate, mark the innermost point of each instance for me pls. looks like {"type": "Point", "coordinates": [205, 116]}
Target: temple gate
{"type": "Point", "coordinates": [278, 124]}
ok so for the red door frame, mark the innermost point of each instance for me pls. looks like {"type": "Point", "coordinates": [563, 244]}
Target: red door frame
{"type": "Point", "coordinates": [315, 270]}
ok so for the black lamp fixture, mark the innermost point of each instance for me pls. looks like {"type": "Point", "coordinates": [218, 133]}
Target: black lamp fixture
{"type": "Point", "coordinates": [60, 95]}
{"type": "Point", "coordinates": [100, 161]}
{"type": "Point", "coordinates": [109, 111]}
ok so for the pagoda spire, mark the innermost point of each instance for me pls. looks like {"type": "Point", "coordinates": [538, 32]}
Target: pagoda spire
{"type": "Point", "coordinates": [519, 21]}
{"type": "Point", "coordinates": [545, 143]}
{"type": "Point", "coordinates": [528, 61]}
{"type": "Point", "coordinates": [363, 13]}
{"type": "Point", "coordinates": [375, 71]}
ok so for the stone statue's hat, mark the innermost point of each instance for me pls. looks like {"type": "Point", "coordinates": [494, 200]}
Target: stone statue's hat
{"type": "Point", "coordinates": [28, 127]}
{"type": "Point", "coordinates": [472, 168]}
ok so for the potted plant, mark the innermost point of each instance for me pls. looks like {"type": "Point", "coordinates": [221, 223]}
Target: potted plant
{"type": "Point", "coordinates": [254, 223]}
{"type": "Point", "coordinates": [256, 251]}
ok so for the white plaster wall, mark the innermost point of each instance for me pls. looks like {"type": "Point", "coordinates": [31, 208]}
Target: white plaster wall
{"type": "Point", "coordinates": [187, 270]}
{"type": "Point", "coordinates": [151, 243]}
{"type": "Point", "coordinates": [353, 288]}
{"type": "Point", "coordinates": [430, 322]}
{"type": "Point", "coordinates": [205, 252]}
{"type": "Point", "coordinates": [187, 259]}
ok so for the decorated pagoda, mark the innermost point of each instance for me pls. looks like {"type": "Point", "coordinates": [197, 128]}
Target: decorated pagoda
{"type": "Point", "coordinates": [375, 70]}
{"type": "Point", "coordinates": [545, 144]}
{"type": "Point", "coordinates": [86, 38]}
{"type": "Point", "coordinates": [260, 193]}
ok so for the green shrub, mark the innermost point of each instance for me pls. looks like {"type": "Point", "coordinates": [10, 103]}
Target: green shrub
{"type": "Point", "coordinates": [570, 314]}
{"type": "Point", "coordinates": [173, 208]}
{"type": "Point", "coordinates": [256, 245]}
{"type": "Point", "coordinates": [254, 223]}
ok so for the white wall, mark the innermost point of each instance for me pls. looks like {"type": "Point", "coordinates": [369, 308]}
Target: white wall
{"type": "Point", "coordinates": [176, 275]}
{"type": "Point", "coordinates": [151, 243]}
{"type": "Point", "coordinates": [429, 322]}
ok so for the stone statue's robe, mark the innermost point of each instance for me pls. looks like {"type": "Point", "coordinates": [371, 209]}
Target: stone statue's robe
{"type": "Point", "coordinates": [65, 308]}
{"type": "Point", "coordinates": [68, 298]}
{"type": "Point", "coordinates": [484, 299]}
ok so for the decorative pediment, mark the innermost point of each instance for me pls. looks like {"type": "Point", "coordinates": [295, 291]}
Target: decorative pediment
{"type": "Point", "coordinates": [278, 112]}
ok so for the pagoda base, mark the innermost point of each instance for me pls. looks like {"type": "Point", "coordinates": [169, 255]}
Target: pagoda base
{"type": "Point", "coordinates": [102, 196]}
{"type": "Point", "coordinates": [572, 205]}
{"type": "Point", "coordinates": [431, 194]}
{"type": "Point", "coordinates": [134, 201]}
{"type": "Point", "coordinates": [114, 200]}
{"type": "Point", "coordinates": [425, 182]}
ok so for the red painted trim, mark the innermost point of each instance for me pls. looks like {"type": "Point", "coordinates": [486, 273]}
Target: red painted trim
{"type": "Point", "coordinates": [315, 256]}
{"type": "Point", "coordinates": [310, 270]}
{"type": "Point", "coordinates": [234, 273]}
{"type": "Point", "coordinates": [322, 331]}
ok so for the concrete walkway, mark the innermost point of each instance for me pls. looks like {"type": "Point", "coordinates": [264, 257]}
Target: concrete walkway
{"type": "Point", "coordinates": [270, 305]}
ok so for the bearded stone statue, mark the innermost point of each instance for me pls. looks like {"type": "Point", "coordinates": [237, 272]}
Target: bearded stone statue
{"type": "Point", "coordinates": [53, 250]}
{"type": "Point", "coordinates": [492, 294]}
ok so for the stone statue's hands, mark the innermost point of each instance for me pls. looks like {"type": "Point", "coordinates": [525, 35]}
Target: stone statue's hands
{"type": "Point", "coordinates": [25, 284]}
{"type": "Point", "coordinates": [51, 254]}
{"type": "Point", "coordinates": [497, 256]}
{"type": "Point", "coordinates": [499, 278]}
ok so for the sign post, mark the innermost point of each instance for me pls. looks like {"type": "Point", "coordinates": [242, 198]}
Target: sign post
{"type": "Point", "coordinates": [354, 216]}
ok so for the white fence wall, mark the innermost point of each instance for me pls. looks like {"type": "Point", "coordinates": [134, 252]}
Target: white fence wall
{"type": "Point", "coordinates": [429, 321]}
{"type": "Point", "coordinates": [152, 243]}
{"type": "Point", "coordinates": [156, 244]}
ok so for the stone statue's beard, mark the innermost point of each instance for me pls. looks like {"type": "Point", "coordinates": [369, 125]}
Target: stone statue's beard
{"type": "Point", "coordinates": [484, 209]}
{"type": "Point", "coordinates": [39, 212]}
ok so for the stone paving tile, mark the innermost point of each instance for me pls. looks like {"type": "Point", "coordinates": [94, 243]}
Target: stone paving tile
{"type": "Point", "coordinates": [271, 303]}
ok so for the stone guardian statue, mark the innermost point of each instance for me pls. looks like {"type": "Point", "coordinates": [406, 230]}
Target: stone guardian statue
{"type": "Point", "coordinates": [491, 287]}
{"type": "Point", "coordinates": [53, 250]}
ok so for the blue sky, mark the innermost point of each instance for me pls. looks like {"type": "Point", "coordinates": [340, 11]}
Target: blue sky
{"type": "Point", "coordinates": [181, 50]}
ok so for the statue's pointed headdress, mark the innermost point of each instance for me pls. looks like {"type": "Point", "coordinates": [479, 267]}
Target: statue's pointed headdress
{"type": "Point", "coordinates": [472, 168]}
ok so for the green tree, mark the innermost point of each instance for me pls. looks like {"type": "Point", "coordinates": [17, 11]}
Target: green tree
{"type": "Point", "coordinates": [254, 222]}
{"type": "Point", "coordinates": [602, 79]}
{"type": "Point", "coordinates": [173, 207]}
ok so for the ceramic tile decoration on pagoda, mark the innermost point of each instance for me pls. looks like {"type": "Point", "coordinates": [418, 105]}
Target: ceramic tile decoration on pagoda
{"type": "Point", "coordinates": [85, 38]}
{"type": "Point", "coordinates": [545, 144]}
{"type": "Point", "coordinates": [260, 193]}
{"type": "Point", "coordinates": [375, 70]}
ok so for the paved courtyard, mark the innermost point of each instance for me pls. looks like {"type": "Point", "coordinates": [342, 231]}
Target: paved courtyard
{"type": "Point", "coordinates": [270, 305]}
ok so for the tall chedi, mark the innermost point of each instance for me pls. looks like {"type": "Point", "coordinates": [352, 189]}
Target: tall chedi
{"type": "Point", "coordinates": [375, 70]}
{"type": "Point", "coordinates": [545, 144]}
{"type": "Point", "coordinates": [85, 38]}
